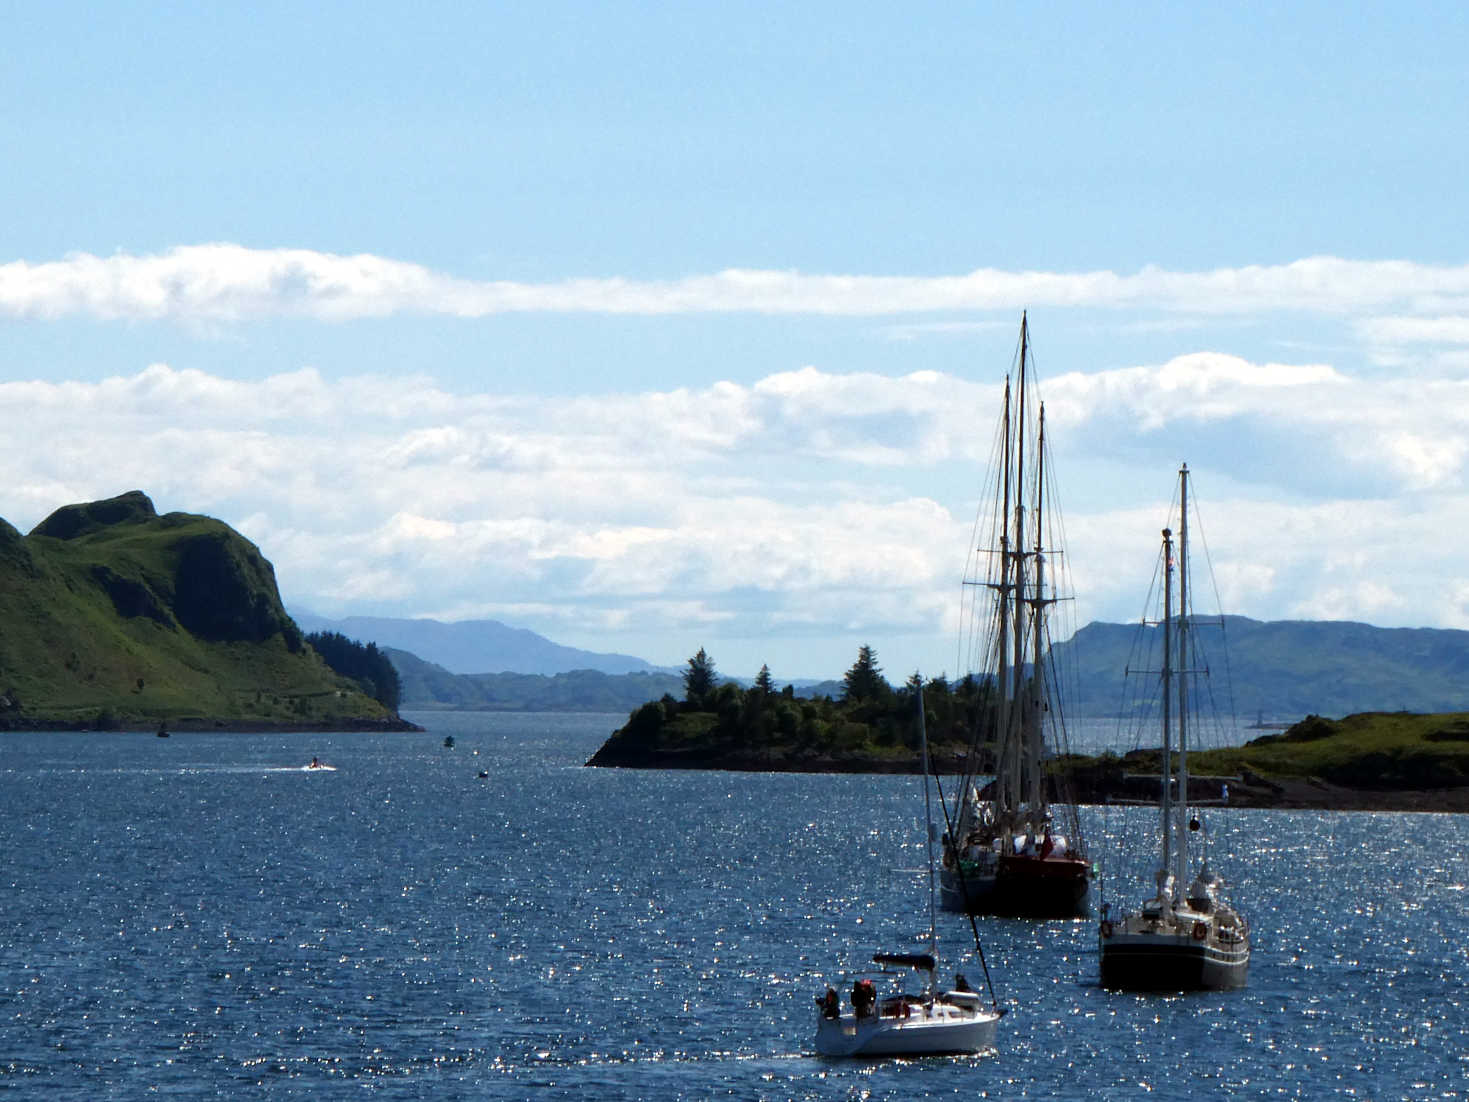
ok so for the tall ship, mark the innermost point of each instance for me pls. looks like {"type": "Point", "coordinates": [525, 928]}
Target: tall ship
{"type": "Point", "coordinates": [1014, 845]}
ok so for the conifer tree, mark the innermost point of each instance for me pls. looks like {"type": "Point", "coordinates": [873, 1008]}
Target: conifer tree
{"type": "Point", "coordinates": [699, 679]}
{"type": "Point", "coordinates": [864, 681]}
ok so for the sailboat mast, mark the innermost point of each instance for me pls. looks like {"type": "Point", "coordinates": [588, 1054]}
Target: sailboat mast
{"type": "Point", "coordinates": [928, 832]}
{"type": "Point", "coordinates": [1002, 599]}
{"type": "Point", "coordinates": [1181, 856]}
{"type": "Point", "coordinates": [1165, 801]}
{"type": "Point", "coordinates": [1019, 713]}
{"type": "Point", "coordinates": [1038, 625]}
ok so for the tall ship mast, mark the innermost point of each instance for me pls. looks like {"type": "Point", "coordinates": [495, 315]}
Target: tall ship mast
{"type": "Point", "coordinates": [1015, 845]}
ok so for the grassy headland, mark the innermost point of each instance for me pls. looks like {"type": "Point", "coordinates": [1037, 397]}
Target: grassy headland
{"type": "Point", "coordinates": [1372, 760]}
{"type": "Point", "coordinates": [117, 618]}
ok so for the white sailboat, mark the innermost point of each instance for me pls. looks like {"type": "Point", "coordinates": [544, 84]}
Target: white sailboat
{"type": "Point", "coordinates": [1006, 853]}
{"type": "Point", "coordinates": [932, 1022]}
{"type": "Point", "coordinates": [1181, 938]}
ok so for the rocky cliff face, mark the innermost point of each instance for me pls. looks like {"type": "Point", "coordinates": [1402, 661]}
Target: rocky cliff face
{"type": "Point", "coordinates": [224, 590]}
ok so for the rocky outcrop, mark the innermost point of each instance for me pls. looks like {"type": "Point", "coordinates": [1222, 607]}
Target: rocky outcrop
{"type": "Point", "coordinates": [74, 521]}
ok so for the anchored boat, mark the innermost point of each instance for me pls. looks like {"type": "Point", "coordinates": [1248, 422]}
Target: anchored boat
{"type": "Point", "coordinates": [930, 1022]}
{"type": "Point", "coordinates": [1182, 937]}
{"type": "Point", "coordinates": [1012, 849]}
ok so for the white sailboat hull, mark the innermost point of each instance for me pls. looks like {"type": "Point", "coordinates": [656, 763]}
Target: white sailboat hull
{"type": "Point", "coordinates": [929, 1031]}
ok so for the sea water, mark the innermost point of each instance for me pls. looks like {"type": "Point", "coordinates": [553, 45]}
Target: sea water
{"type": "Point", "coordinates": [199, 917]}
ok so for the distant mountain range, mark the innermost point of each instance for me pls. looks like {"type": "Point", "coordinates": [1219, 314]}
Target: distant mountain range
{"type": "Point", "coordinates": [428, 686]}
{"type": "Point", "coordinates": [1287, 669]}
{"type": "Point", "coordinates": [1282, 669]}
{"type": "Point", "coordinates": [473, 646]}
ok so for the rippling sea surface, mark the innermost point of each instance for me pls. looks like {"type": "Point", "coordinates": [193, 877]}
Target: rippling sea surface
{"type": "Point", "coordinates": [199, 917]}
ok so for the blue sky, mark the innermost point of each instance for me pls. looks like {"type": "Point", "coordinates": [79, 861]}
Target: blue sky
{"type": "Point", "coordinates": [653, 327]}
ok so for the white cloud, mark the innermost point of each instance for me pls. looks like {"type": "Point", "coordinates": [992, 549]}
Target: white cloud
{"type": "Point", "coordinates": [225, 282]}
{"type": "Point", "coordinates": [787, 521]}
{"type": "Point", "coordinates": [1415, 330]}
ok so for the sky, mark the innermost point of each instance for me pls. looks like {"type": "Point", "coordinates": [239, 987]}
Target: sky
{"type": "Point", "coordinates": [653, 327]}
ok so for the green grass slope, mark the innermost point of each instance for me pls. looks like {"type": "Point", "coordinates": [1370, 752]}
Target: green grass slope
{"type": "Point", "coordinates": [111, 615]}
{"type": "Point", "coordinates": [1372, 750]}
{"type": "Point", "coordinates": [1372, 760]}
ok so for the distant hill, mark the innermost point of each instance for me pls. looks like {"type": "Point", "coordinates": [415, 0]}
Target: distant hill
{"type": "Point", "coordinates": [114, 616]}
{"type": "Point", "coordinates": [1292, 668]}
{"type": "Point", "coordinates": [474, 646]}
{"type": "Point", "coordinates": [425, 685]}
{"type": "Point", "coordinates": [1281, 670]}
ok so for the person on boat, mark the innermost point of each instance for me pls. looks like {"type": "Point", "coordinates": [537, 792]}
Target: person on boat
{"type": "Point", "coordinates": [960, 983]}
{"type": "Point", "coordinates": [1047, 844]}
{"type": "Point", "coordinates": [831, 1005]}
{"type": "Point", "coordinates": [315, 764]}
{"type": "Point", "coordinates": [864, 996]}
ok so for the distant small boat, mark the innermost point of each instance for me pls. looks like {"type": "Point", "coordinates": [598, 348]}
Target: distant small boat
{"type": "Point", "coordinates": [162, 731]}
{"type": "Point", "coordinates": [317, 765]}
{"type": "Point", "coordinates": [448, 742]}
{"type": "Point", "coordinates": [484, 774]}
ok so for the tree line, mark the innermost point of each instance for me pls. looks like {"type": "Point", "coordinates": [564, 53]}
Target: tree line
{"type": "Point", "coordinates": [870, 717]}
{"type": "Point", "coordinates": [363, 663]}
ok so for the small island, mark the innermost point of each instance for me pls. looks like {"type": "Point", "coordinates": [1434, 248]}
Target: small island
{"type": "Point", "coordinates": [1385, 761]}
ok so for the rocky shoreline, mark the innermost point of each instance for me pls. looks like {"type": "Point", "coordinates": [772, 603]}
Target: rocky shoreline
{"type": "Point", "coordinates": [1248, 790]}
{"type": "Point", "coordinates": [222, 726]}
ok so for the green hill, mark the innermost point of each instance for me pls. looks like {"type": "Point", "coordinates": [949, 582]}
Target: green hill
{"type": "Point", "coordinates": [114, 616]}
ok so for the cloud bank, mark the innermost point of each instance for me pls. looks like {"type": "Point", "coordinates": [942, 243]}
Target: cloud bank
{"type": "Point", "coordinates": [789, 521]}
{"type": "Point", "coordinates": [232, 283]}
